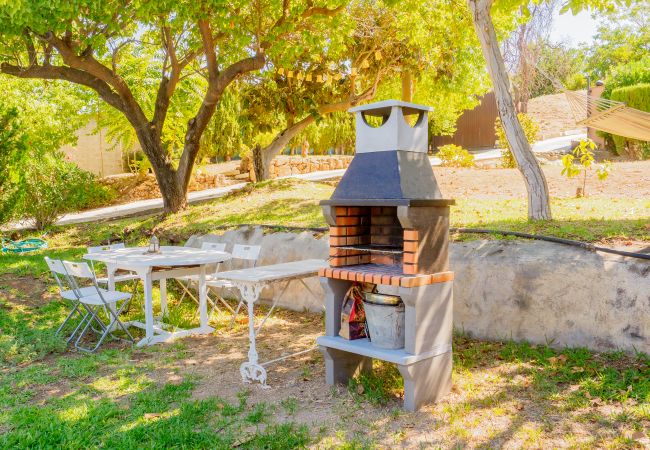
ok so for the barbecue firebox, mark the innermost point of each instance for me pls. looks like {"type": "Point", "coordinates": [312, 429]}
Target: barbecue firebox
{"type": "Point", "coordinates": [389, 226]}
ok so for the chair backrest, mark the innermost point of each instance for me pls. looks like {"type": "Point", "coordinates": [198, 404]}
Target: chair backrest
{"type": "Point", "coordinates": [103, 248]}
{"type": "Point", "coordinates": [56, 266]}
{"type": "Point", "coordinates": [214, 246]}
{"type": "Point", "coordinates": [249, 253]}
{"type": "Point", "coordinates": [58, 272]}
{"type": "Point", "coordinates": [79, 270]}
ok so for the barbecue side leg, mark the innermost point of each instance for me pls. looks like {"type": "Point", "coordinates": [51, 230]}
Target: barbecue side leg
{"type": "Point", "coordinates": [340, 366]}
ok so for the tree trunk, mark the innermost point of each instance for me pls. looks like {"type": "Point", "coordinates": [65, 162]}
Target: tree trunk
{"type": "Point", "coordinates": [261, 163]}
{"type": "Point", "coordinates": [173, 192]}
{"type": "Point", "coordinates": [262, 157]}
{"type": "Point", "coordinates": [538, 197]}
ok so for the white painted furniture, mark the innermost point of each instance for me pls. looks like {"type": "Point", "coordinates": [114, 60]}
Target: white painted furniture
{"type": "Point", "coordinates": [67, 292]}
{"type": "Point", "coordinates": [121, 278]}
{"type": "Point", "coordinates": [250, 283]}
{"type": "Point", "coordinates": [111, 301]}
{"type": "Point", "coordinates": [245, 254]}
{"type": "Point", "coordinates": [171, 262]}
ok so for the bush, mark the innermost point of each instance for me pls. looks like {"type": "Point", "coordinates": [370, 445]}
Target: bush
{"type": "Point", "coordinates": [638, 97]}
{"type": "Point", "coordinates": [627, 74]}
{"type": "Point", "coordinates": [52, 186]}
{"type": "Point", "coordinates": [531, 128]}
{"type": "Point", "coordinates": [455, 156]}
{"type": "Point", "coordinates": [13, 147]}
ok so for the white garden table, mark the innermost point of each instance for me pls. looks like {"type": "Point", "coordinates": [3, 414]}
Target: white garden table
{"type": "Point", "coordinates": [250, 283]}
{"type": "Point", "coordinates": [171, 262]}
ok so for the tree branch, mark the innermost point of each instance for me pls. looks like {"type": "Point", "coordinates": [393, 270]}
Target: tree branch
{"type": "Point", "coordinates": [197, 125]}
{"type": "Point", "coordinates": [68, 74]}
{"type": "Point", "coordinates": [87, 63]}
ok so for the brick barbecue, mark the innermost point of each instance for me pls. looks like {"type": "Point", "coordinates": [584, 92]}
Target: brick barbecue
{"type": "Point", "coordinates": [388, 221]}
{"type": "Point", "coordinates": [389, 226]}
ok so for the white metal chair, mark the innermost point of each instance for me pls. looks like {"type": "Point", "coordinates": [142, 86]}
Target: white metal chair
{"type": "Point", "coordinates": [244, 256]}
{"type": "Point", "coordinates": [67, 292]}
{"type": "Point", "coordinates": [187, 281]}
{"type": "Point", "coordinates": [95, 299]}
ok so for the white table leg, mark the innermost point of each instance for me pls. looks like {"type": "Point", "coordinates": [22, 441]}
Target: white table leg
{"type": "Point", "coordinates": [148, 309]}
{"type": "Point", "coordinates": [110, 271]}
{"type": "Point", "coordinates": [251, 370]}
{"type": "Point", "coordinates": [203, 303]}
{"type": "Point", "coordinates": [163, 298]}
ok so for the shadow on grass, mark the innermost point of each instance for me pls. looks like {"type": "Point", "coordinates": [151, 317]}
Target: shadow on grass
{"type": "Point", "coordinates": [153, 417]}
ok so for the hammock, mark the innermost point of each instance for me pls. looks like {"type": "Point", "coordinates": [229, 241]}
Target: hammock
{"type": "Point", "coordinates": [604, 114]}
{"type": "Point", "coordinates": [28, 245]}
{"type": "Point", "coordinates": [609, 115]}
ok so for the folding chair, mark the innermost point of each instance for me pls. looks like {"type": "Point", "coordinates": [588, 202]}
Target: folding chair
{"type": "Point", "coordinates": [246, 256]}
{"type": "Point", "coordinates": [194, 279]}
{"type": "Point", "coordinates": [95, 302]}
{"type": "Point", "coordinates": [67, 292]}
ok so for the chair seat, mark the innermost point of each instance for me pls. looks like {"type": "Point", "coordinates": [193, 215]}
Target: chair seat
{"type": "Point", "coordinates": [119, 278]}
{"type": "Point", "coordinates": [109, 297]}
{"type": "Point", "coordinates": [85, 291]}
{"type": "Point", "coordinates": [217, 283]}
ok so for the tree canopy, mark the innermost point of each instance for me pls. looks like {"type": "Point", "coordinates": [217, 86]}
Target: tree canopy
{"type": "Point", "coordinates": [136, 54]}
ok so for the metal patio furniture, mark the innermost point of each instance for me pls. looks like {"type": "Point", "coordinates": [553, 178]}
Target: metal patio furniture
{"type": "Point", "coordinates": [67, 292]}
{"type": "Point", "coordinates": [186, 282]}
{"type": "Point", "coordinates": [246, 255]}
{"type": "Point", "coordinates": [110, 301]}
{"type": "Point", "coordinates": [170, 262]}
{"type": "Point", "coordinates": [123, 277]}
{"type": "Point", "coordinates": [251, 282]}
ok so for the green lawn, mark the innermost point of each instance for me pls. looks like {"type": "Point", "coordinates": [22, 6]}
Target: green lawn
{"type": "Point", "coordinates": [51, 397]}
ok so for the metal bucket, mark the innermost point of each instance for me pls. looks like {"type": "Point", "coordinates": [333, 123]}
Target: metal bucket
{"type": "Point", "coordinates": [385, 322]}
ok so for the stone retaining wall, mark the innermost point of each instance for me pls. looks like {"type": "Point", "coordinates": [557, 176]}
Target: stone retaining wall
{"type": "Point", "coordinates": [525, 290]}
{"type": "Point", "coordinates": [283, 166]}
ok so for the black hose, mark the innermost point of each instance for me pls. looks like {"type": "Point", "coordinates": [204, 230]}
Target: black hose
{"type": "Point", "coordinates": [583, 245]}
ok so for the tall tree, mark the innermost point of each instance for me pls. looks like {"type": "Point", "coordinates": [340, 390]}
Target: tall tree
{"type": "Point", "coordinates": [522, 49]}
{"type": "Point", "coordinates": [387, 41]}
{"type": "Point", "coordinates": [538, 197]}
{"type": "Point", "coordinates": [539, 206]}
{"type": "Point", "coordinates": [84, 42]}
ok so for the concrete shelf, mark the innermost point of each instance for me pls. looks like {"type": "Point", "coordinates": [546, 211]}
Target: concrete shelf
{"type": "Point", "coordinates": [365, 348]}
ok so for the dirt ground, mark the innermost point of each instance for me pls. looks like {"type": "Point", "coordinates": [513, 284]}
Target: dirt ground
{"type": "Point", "coordinates": [553, 114]}
{"type": "Point", "coordinates": [492, 405]}
{"type": "Point", "coordinates": [627, 179]}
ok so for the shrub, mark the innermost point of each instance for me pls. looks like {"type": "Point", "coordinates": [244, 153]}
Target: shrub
{"type": "Point", "coordinates": [455, 156]}
{"type": "Point", "coordinates": [584, 153]}
{"type": "Point", "coordinates": [627, 74]}
{"type": "Point", "coordinates": [52, 186]}
{"type": "Point", "coordinates": [531, 128]}
{"type": "Point", "coordinates": [638, 97]}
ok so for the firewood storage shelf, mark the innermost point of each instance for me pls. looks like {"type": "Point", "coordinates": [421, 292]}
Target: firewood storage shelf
{"type": "Point", "coordinates": [425, 361]}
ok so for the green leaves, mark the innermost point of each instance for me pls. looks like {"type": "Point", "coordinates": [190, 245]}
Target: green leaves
{"type": "Point", "coordinates": [584, 155]}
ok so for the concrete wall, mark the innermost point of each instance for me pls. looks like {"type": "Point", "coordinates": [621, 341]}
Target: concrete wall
{"type": "Point", "coordinates": [536, 291]}
{"type": "Point", "coordinates": [94, 154]}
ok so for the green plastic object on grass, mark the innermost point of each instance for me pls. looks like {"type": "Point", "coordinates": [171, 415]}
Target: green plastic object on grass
{"type": "Point", "coordinates": [24, 246]}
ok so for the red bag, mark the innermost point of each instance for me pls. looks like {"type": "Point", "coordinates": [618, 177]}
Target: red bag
{"type": "Point", "coordinates": [353, 317]}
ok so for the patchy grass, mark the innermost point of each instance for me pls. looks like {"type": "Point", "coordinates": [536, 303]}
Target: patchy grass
{"type": "Point", "coordinates": [592, 219]}
{"type": "Point", "coordinates": [505, 394]}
